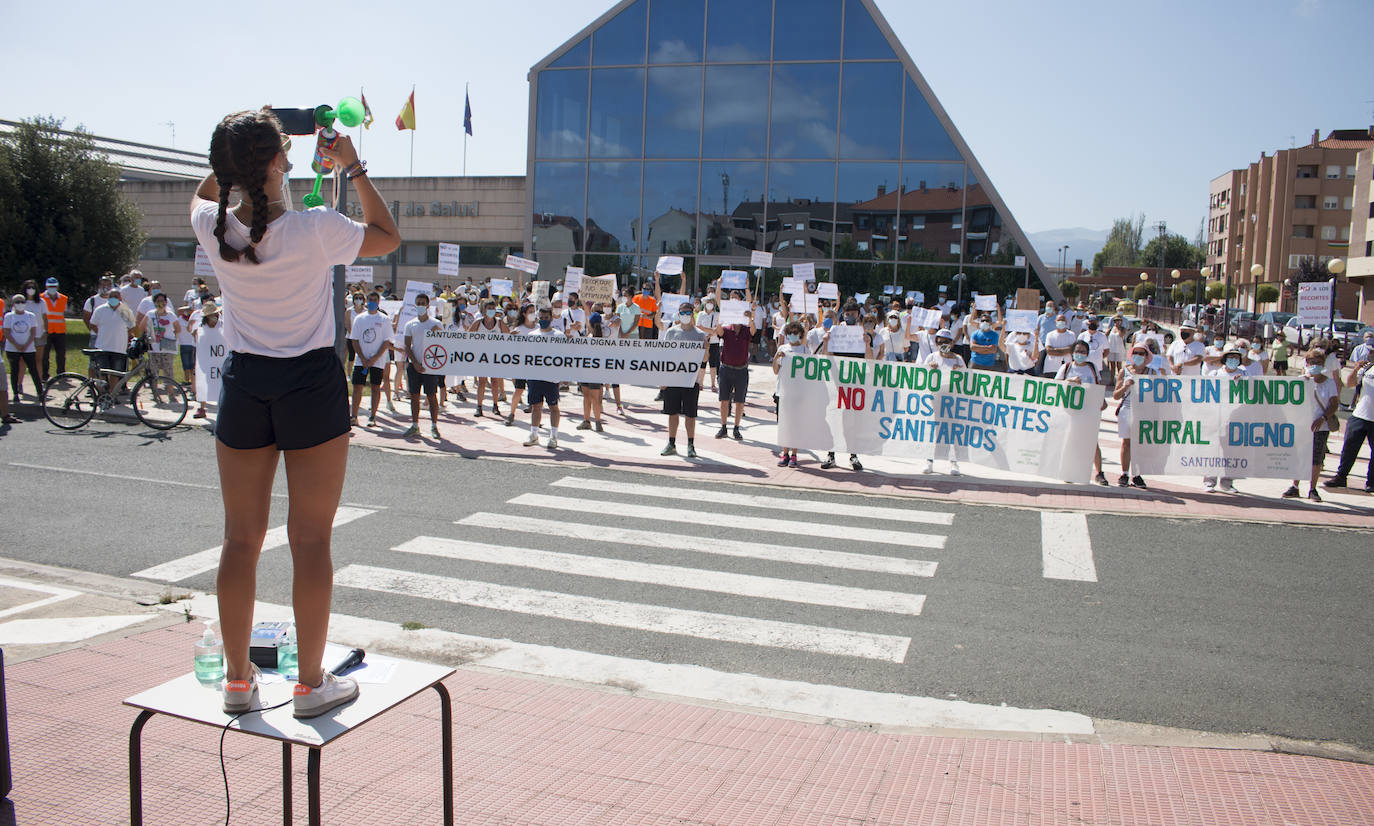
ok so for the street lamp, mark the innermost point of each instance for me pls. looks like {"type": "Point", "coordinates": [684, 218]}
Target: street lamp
{"type": "Point", "coordinates": [1203, 274]}
{"type": "Point", "coordinates": [959, 277]}
{"type": "Point", "coordinates": [1335, 266]}
{"type": "Point", "coordinates": [1174, 275]}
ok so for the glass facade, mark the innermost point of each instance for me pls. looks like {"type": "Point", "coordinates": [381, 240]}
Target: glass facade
{"type": "Point", "coordinates": [711, 129]}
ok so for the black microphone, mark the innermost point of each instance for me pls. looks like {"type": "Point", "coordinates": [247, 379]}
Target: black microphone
{"type": "Point", "coordinates": [352, 661]}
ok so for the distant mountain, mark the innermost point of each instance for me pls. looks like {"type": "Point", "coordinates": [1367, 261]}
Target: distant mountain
{"type": "Point", "coordinates": [1083, 243]}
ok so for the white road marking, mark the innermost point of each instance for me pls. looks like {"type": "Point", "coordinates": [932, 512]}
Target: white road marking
{"type": "Point", "coordinates": [705, 545]}
{"type": "Point", "coordinates": [790, 527]}
{"type": "Point", "coordinates": [64, 629]}
{"type": "Point", "coordinates": [656, 618]}
{"type": "Point", "coordinates": [691, 682]}
{"type": "Point", "coordinates": [615, 441]}
{"type": "Point", "coordinates": [57, 595]}
{"type": "Point", "coordinates": [1066, 547]}
{"type": "Point", "coordinates": [786, 590]}
{"type": "Point", "coordinates": [84, 472]}
{"type": "Point", "coordinates": [795, 503]}
{"type": "Point", "coordinates": [208, 560]}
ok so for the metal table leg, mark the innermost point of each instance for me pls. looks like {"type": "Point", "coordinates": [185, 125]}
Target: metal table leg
{"type": "Point", "coordinates": [285, 783]}
{"type": "Point", "coordinates": [312, 770]}
{"type": "Point", "coordinates": [136, 768]}
{"type": "Point", "coordinates": [446, 721]}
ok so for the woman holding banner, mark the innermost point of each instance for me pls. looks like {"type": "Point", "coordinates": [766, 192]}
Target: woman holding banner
{"type": "Point", "coordinates": [1325, 394]}
{"type": "Point", "coordinates": [852, 342]}
{"type": "Point", "coordinates": [1137, 366]}
{"type": "Point", "coordinates": [1080, 370]}
{"type": "Point", "coordinates": [591, 391]}
{"type": "Point", "coordinates": [944, 358]}
{"type": "Point", "coordinates": [489, 321]}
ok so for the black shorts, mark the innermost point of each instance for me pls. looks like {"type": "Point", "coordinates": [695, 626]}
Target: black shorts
{"type": "Point", "coordinates": [681, 401]}
{"type": "Point", "coordinates": [519, 384]}
{"type": "Point", "coordinates": [542, 392]}
{"type": "Point", "coordinates": [648, 332]}
{"type": "Point", "coordinates": [589, 385]}
{"type": "Point", "coordinates": [1280, 365]}
{"type": "Point", "coordinates": [1319, 441]}
{"type": "Point", "coordinates": [734, 383]}
{"type": "Point", "coordinates": [362, 374]}
{"type": "Point", "coordinates": [417, 382]}
{"type": "Point", "coordinates": [292, 403]}
{"type": "Point", "coordinates": [713, 355]}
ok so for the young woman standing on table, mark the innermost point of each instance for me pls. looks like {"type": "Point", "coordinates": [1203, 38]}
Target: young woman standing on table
{"type": "Point", "coordinates": [283, 387]}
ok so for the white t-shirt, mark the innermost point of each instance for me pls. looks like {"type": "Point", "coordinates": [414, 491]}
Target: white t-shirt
{"type": "Point", "coordinates": [575, 315]}
{"type": "Point", "coordinates": [416, 329]}
{"type": "Point", "coordinates": [1321, 394]}
{"type": "Point", "coordinates": [371, 331]}
{"type": "Point", "coordinates": [1180, 352]}
{"type": "Point", "coordinates": [1082, 372]}
{"type": "Point", "coordinates": [893, 342]}
{"type": "Point", "coordinates": [162, 335]}
{"type": "Point", "coordinates": [20, 325]}
{"type": "Point", "coordinates": [1018, 354]}
{"type": "Point", "coordinates": [113, 326]}
{"type": "Point", "coordinates": [132, 296]}
{"type": "Point", "coordinates": [953, 361]}
{"type": "Point", "coordinates": [1211, 352]}
{"type": "Point", "coordinates": [1116, 346]}
{"type": "Point", "coordinates": [187, 336]}
{"type": "Point", "coordinates": [1059, 339]}
{"type": "Point", "coordinates": [1097, 343]}
{"type": "Point", "coordinates": [144, 307]}
{"type": "Point", "coordinates": [284, 306]}
{"type": "Point", "coordinates": [1364, 397]}
{"type": "Point", "coordinates": [1254, 368]}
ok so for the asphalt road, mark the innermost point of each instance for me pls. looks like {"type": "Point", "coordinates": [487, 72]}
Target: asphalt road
{"type": "Point", "coordinates": [1212, 626]}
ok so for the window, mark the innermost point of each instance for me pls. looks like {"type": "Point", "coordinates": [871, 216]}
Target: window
{"type": "Point", "coordinates": [561, 131]}
{"type": "Point", "coordinates": [870, 110]}
{"type": "Point", "coordinates": [1333, 172]}
{"type": "Point", "coordinates": [1242, 190]}
{"type": "Point", "coordinates": [736, 124]}
{"type": "Point", "coordinates": [923, 136]}
{"type": "Point", "coordinates": [1302, 231]}
{"type": "Point", "coordinates": [805, 97]}
{"type": "Point", "coordinates": [918, 222]}
{"type": "Point", "coordinates": [617, 113]}
{"type": "Point", "coordinates": [1328, 233]}
{"type": "Point", "coordinates": [863, 246]}
{"type": "Point", "coordinates": [1348, 203]}
{"type": "Point", "coordinates": [1307, 171]}
{"type": "Point", "coordinates": [620, 41]}
{"type": "Point", "coordinates": [1350, 173]}
{"type": "Point", "coordinates": [1295, 261]}
{"type": "Point", "coordinates": [1330, 202]}
{"type": "Point", "coordinates": [168, 251]}
{"type": "Point", "coordinates": [738, 30]}
{"type": "Point", "coordinates": [1305, 202]}
{"type": "Point", "coordinates": [957, 222]}
{"type": "Point", "coordinates": [953, 249]}
{"type": "Point", "coordinates": [1345, 233]}
{"type": "Point", "coordinates": [673, 119]}
{"type": "Point", "coordinates": [675, 31]}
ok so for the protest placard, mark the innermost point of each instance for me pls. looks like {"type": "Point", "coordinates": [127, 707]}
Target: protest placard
{"type": "Point", "coordinates": [1314, 303]}
{"type": "Point", "coordinates": [889, 289]}
{"type": "Point", "coordinates": [861, 297]}
{"type": "Point", "coordinates": [917, 296]}
{"type": "Point", "coordinates": [732, 312]}
{"type": "Point", "coordinates": [846, 338]}
{"type": "Point", "coordinates": [572, 281]}
{"type": "Point", "coordinates": [985, 302]}
{"type": "Point", "coordinates": [1019, 423]}
{"type": "Point", "coordinates": [515, 262]}
{"type": "Point", "coordinates": [1027, 299]}
{"type": "Point", "coordinates": [1216, 426]}
{"type": "Point", "coordinates": [1021, 321]}
{"type": "Point", "coordinates": [734, 280]}
{"type": "Point", "coordinates": [790, 285]}
{"type": "Point", "coordinates": [669, 265]}
{"type": "Point", "coordinates": [828, 290]}
{"type": "Point", "coordinates": [804, 271]}
{"type": "Point", "coordinates": [645, 363]}
{"type": "Point", "coordinates": [360, 272]}
{"type": "Point", "coordinates": [599, 288]}
{"type": "Point", "coordinates": [759, 258]}
{"type": "Point", "coordinates": [668, 304]}
{"type": "Point", "coordinates": [805, 302]}
{"type": "Point", "coordinates": [204, 268]}
{"type": "Point", "coordinates": [501, 287]}
{"type": "Point", "coordinates": [210, 354]}
{"type": "Point", "coordinates": [448, 259]}
{"type": "Point", "coordinates": [539, 294]}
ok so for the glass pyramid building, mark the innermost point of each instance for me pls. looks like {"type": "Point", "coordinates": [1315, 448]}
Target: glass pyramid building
{"type": "Point", "coordinates": [713, 128]}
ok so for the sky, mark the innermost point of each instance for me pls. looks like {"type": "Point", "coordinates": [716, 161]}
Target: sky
{"type": "Point", "coordinates": [1080, 111]}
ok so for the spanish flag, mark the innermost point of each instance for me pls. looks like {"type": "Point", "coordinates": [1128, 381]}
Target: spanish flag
{"type": "Point", "coordinates": [406, 120]}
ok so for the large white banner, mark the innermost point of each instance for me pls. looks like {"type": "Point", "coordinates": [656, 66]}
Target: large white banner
{"type": "Point", "coordinates": [875, 408]}
{"type": "Point", "coordinates": [210, 355]}
{"type": "Point", "coordinates": [642, 362]}
{"type": "Point", "coordinates": [1207, 426]}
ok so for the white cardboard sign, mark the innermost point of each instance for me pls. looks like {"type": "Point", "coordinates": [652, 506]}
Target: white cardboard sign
{"type": "Point", "coordinates": [669, 265]}
{"type": "Point", "coordinates": [448, 259]}
{"type": "Point", "coordinates": [828, 290]}
{"type": "Point", "coordinates": [203, 267]}
{"type": "Point", "coordinates": [732, 312]}
{"type": "Point", "coordinates": [847, 338]}
{"type": "Point", "coordinates": [359, 272]}
{"type": "Point", "coordinates": [805, 271]}
{"type": "Point", "coordinates": [734, 280]}
{"type": "Point", "coordinates": [515, 262]}
{"type": "Point", "coordinates": [759, 258]}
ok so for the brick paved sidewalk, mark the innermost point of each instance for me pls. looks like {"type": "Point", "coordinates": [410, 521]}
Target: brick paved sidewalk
{"type": "Point", "coordinates": [536, 752]}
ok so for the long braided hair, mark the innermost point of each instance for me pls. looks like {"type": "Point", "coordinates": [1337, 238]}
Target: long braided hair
{"type": "Point", "coordinates": [241, 149]}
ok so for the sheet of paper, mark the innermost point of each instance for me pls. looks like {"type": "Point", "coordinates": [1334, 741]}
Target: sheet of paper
{"type": "Point", "coordinates": [805, 271]}
{"type": "Point", "coordinates": [985, 302]}
{"type": "Point", "coordinates": [846, 338]}
{"type": "Point", "coordinates": [759, 258]}
{"type": "Point", "coordinates": [1021, 321]}
{"type": "Point", "coordinates": [669, 265]}
{"type": "Point", "coordinates": [828, 290]}
{"type": "Point", "coordinates": [448, 259]}
{"type": "Point", "coordinates": [732, 312]}
{"type": "Point", "coordinates": [734, 280]}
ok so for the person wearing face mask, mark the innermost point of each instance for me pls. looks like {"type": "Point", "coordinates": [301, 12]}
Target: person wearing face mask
{"type": "Point", "coordinates": [648, 308]}
{"type": "Point", "coordinates": [1212, 356]}
{"type": "Point", "coordinates": [192, 296]}
{"type": "Point", "coordinates": [132, 296]}
{"type": "Point", "coordinates": [591, 391]}
{"type": "Point", "coordinates": [162, 328]}
{"type": "Point", "coordinates": [357, 305]}
{"type": "Point", "coordinates": [146, 305]}
{"type": "Point", "coordinates": [734, 367]}
{"type": "Point", "coordinates": [1021, 351]}
{"type": "Point", "coordinates": [1080, 370]}
{"type": "Point", "coordinates": [419, 379]}
{"type": "Point", "coordinates": [984, 343]}
{"type": "Point", "coordinates": [1044, 325]}
{"type": "Point", "coordinates": [1097, 344]}
{"type": "Point", "coordinates": [543, 392]}
{"type": "Point", "coordinates": [1230, 367]}
{"type": "Point", "coordinates": [21, 330]}
{"type": "Point", "coordinates": [53, 309]}
{"type": "Point", "coordinates": [529, 324]}
{"type": "Point", "coordinates": [1058, 344]}
{"type": "Point", "coordinates": [186, 345]}
{"type": "Point", "coordinates": [945, 358]}
{"type": "Point", "coordinates": [489, 321]}
{"type": "Point", "coordinates": [708, 319]}
{"type": "Point", "coordinates": [369, 338]}
{"type": "Point", "coordinates": [850, 317]}
{"type": "Point", "coordinates": [791, 345]}
{"type": "Point", "coordinates": [892, 338]}
{"type": "Point", "coordinates": [1359, 428]}
{"type": "Point", "coordinates": [102, 289]}
{"type": "Point", "coordinates": [208, 328]}
{"type": "Point", "coordinates": [1325, 396]}
{"type": "Point", "coordinates": [815, 337]}
{"type": "Point", "coordinates": [681, 402]}
{"type": "Point", "coordinates": [1186, 353]}
{"type": "Point", "coordinates": [1138, 365]}
{"type": "Point", "coordinates": [110, 329]}
{"type": "Point", "coordinates": [1116, 348]}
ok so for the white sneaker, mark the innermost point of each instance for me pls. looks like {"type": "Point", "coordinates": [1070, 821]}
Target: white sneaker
{"type": "Point", "coordinates": [953, 468]}
{"type": "Point", "coordinates": [331, 693]}
{"type": "Point", "coordinates": [1227, 487]}
{"type": "Point", "coordinates": [930, 466]}
{"type": "Point", "coordinates": [532, 440]}
{"type": "Point", "coordinates": [1210, 487]}
{"type": "Point", "coordinates": [553, 443]}
{"type": "Point", "coordinates": [240, 695]}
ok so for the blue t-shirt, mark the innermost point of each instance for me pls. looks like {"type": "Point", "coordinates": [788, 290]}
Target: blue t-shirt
{"type": "Point", "coordinates": [988, 339]}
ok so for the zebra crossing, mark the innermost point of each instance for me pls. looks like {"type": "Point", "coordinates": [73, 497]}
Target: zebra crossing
{"type": "Point", "coordinates": [568, 536]}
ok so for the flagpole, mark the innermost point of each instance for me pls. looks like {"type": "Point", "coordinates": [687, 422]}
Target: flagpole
{"type": "Point", "coordinates": [360, 131]}
{"type": "Point", "coordinates": [465, 131]}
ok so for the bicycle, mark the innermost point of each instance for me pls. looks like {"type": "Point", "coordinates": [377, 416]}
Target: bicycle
{"type": "Point", "coordinates": [70, 400]}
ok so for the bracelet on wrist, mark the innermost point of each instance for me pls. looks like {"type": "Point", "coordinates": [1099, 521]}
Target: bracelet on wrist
{"type": "Point", "coordinates": [355, 169]}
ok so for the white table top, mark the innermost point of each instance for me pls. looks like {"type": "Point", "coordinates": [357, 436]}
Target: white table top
{"type": "Point", "coordinates": [186, 698]}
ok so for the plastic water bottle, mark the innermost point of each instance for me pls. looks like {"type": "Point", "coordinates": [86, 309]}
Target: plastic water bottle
{"type": "Point", "coordinates": [209, 658]}
{"type": "Point", "coordinates": [286, 654]}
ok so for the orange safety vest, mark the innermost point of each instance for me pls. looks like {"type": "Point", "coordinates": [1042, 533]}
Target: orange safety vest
{"type": "Point", "coordinates": [57, 313]}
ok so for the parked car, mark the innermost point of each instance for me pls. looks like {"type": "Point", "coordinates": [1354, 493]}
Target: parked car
{"type": "Point", "coordinates": [1346, 332]}
{"type": "Point", "coordinates": [1243, 324]}
{"type": "Point", "coordinates": [1274, 319]}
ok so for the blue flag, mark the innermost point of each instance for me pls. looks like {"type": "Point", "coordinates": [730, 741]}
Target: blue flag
{"type": "Point", "coordinates": [467, 114]}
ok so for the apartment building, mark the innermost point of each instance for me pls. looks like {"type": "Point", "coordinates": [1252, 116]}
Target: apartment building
{"type": "Point", "coordinates": [1359, 268]}
{"type": "Point", "coordinates": [1293, 205]}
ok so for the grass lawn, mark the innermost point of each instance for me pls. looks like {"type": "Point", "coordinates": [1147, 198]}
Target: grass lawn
{"type": "Point", "coordinates": [78, 338]}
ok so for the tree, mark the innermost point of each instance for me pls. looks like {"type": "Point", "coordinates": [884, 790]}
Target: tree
{"type": "Point", "coordinates": [1070, 289]}
{"type": "Point", "coordinates": [1185, 292]}
{"type": "Point", "coordinates": [1177, 253]}
{"type": "Point", "coordinates": [1216, 291]}
{"type": "Point", "coordinates": [1267, 293]}
{"type": "Point", "coordinates": [1122, 248]}
{"type": "Point", "coordinates": [1143, 290]}
{"type": "Point", "coordinates": [1310, 269]}
{"type": "Point", "coordinates": [61, 211]}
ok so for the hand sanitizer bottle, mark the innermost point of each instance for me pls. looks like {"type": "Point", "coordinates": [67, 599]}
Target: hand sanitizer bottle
{"type": "Point", "coordinates": [286, 654]}
{"type": "Point", "coordinates": [209, 662]}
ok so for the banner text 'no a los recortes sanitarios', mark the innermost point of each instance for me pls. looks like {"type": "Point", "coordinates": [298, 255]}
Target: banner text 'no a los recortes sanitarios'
{"type": "Point", "coordinates": [1035, 426]}
{"type": "Point", "coordinates": [640, 362]}
{"type": "Point", "coordinates": [1218, 426]}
